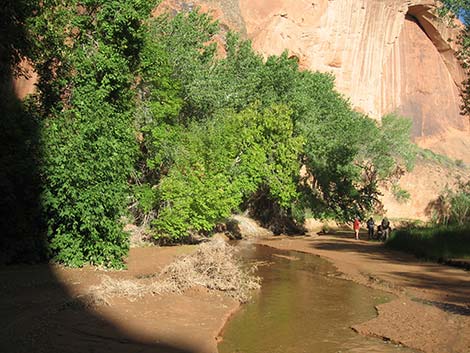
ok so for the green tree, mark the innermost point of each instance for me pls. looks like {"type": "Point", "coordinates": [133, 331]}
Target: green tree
{"type": "Point", "coordinates": [87, 61]}
{"type": "Point", "coordinates": [345, 153]}
{"type": "Point", "coordinates": [222, 162]}
{"type": "Point", "coordinates": [460, 205]}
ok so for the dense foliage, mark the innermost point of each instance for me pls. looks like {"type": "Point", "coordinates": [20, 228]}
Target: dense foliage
{"type": "Point", "coordinates": [433, 243]}
{"type": "Point", "coordinates": [460, 204]}
{"type": "Point", "coordinates": [345, 154]}
{"type": "Point", "coordinates": [154, 117]}
{"type": "Point", "coordinates": [222, 162]}
{"type": "Point", "coordinates": [452, 207]}
{"type": "Point", "coordinates": [87, 58]}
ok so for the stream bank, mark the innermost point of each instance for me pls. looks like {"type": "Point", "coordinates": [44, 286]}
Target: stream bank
{"type": "Point", "coordinates": [303, 306]}
{"type": "Point", "coordinates": [432, 309]}
{"type": "Point", "coordinates": [43, 308]}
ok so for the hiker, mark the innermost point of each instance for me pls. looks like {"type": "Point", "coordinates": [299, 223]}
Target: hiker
{"type": "Point", "coordinates": [356, 227]}
{"type": "Point", "coordinates": [379, 232]}
{"type": "Point", "coordinates": [370, 228]}
{"type": "Point", "coordinates": [385, 228]}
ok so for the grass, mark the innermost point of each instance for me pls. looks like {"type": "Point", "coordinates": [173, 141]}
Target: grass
{"type": "Point", "coordinates": [433, 243]}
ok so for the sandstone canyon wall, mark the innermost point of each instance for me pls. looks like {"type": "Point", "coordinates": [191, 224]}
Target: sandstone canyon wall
{"type": "Point", "coordinates": [387, 55]}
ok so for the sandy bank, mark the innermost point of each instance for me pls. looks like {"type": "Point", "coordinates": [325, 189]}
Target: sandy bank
{"type": "Point", "coordinates": [43, 309]}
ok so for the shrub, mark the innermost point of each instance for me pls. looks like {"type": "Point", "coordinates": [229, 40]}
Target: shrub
{"type": "Point", "coordinates": [452, 206]}
{"type": "Point", "coordinates": [443, 242]}
{"type": "Point", "coordinates": [146, 200]}
{"type": "Point", "coordinates": [400, 194]}
{"type": "Point", "coordinates": [87, 61]}
{"type": "Point", "coordinates": [460, 204]}
{"type": "Point", "coordinates": [224, 161]}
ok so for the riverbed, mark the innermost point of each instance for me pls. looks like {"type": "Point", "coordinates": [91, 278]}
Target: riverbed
{"type": "Point", "coordinates": [303, 306]}
{"type": "Point", "coordinates": [44, 309]}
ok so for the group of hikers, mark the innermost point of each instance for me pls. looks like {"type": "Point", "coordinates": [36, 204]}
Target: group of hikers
{"type": "Point", "coordinates": [383, 229]}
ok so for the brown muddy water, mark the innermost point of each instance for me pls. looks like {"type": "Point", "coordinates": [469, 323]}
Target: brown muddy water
{"type": "Point", "coordinates": [303, 306]}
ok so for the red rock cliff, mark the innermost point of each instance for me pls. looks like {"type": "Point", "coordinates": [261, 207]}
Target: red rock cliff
{"type": "Point", "coordinates": [387, 55]}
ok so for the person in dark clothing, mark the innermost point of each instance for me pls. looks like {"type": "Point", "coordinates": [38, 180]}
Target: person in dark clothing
{"type": "Point", "coordinates": [370, 228]}
{"type": "Point", "coordinates": [385, 228]}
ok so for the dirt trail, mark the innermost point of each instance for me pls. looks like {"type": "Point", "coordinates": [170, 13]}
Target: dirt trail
{"type": "Point", "coordinates": [432, 309]}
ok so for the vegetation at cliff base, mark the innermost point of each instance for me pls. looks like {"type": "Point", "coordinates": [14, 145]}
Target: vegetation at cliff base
{"type": "Point", "coordinates": [433, 243]}
{"type": "Point", "coordinates": [238, 129]}
{"type": "Point", "coordinates": [151, 121]}
{"type": "Point", "coordinates": [448, 236]}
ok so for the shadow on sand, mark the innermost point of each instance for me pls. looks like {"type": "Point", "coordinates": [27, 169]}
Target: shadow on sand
{"type": "Point", "coordinates": [39, 315]}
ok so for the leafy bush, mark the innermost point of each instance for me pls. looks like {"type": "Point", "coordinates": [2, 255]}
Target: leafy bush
{"type": "Point", "coordinates": [145, 202]}
{"type": "Point", "coordinates": [86, 61]}
{"type": "Point", "coordinates": [220, 163]}
{"type": "Point", "coordinates": [400, 194]}
{"type": "Point", "coordinates": [460, 204]}
{"type": "Point", "coordinates": [452, 206]}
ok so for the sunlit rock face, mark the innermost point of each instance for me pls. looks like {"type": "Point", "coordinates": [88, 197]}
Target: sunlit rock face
{"type": "Point", "coordinates": [386, 55]}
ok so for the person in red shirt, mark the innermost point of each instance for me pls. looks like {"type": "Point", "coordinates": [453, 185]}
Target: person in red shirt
{"type": "Point", "coordinates": [356, 227]}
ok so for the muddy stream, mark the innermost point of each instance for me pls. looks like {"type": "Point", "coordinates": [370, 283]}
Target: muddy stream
{"type": "Point", "coordinates": [303, 306]}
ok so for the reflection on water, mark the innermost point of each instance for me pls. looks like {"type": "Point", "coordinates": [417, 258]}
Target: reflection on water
{"type": "Point", "coordinates": [303, 307]}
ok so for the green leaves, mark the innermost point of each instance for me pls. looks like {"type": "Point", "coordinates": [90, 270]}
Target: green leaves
{"type": "Point", "coordinates": [209, 154]}
{"type": "Point", "coordinates": [87, 131]}
{"type": "Point", "coordinates": [221, 162]}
